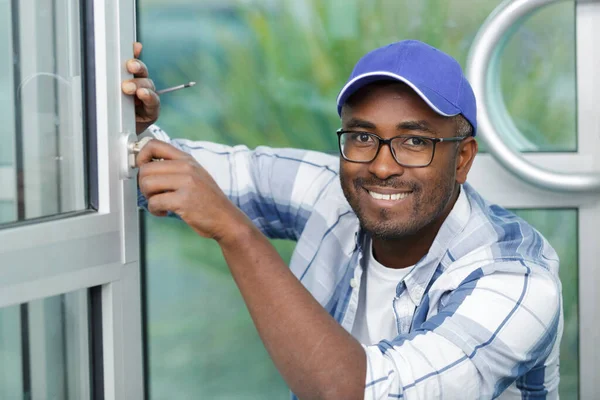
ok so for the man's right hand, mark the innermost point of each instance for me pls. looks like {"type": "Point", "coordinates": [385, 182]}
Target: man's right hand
{"type": "Point", "coordinates": [147, 102]}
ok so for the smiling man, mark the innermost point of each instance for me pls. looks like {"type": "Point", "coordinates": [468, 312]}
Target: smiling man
{"type": "Point", "coordinates": [405, 283]}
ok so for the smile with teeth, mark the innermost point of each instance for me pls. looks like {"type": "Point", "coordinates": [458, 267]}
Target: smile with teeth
{"type": "Point", "coordinates": [395, 196]}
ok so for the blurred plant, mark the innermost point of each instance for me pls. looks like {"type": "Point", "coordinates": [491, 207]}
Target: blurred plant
{"type": "Point", "coordinates": [272, 70]}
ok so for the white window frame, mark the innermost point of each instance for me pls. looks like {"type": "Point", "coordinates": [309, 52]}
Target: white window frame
{"type": "Point", "coordinates": [99, 248]}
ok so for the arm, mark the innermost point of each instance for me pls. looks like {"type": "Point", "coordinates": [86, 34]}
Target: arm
{"type": "Point", "coordinates": [275, 188]}
{"type": "Point", "coordinates": [317, 357]}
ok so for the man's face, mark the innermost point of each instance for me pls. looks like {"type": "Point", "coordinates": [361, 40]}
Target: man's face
{"type": "Point", "coordinates": [425, 194]}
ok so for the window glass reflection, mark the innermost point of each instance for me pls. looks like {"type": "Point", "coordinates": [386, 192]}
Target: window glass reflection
{"type": "Point", "coordinates": [11, 378]}
{"type": "Point", "coordinates": [44, 349]}
{"type": "Point", "coordinates": [42, 169]}
{"type": "Point", "coordinates": [540, 96]}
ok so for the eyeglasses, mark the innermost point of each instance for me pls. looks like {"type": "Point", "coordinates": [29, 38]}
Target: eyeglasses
{"type": "Point", "coordinates": [408, 151]}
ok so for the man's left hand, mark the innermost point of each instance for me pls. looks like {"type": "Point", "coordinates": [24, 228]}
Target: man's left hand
{"type": "Point", "coordinates": [141, 87]}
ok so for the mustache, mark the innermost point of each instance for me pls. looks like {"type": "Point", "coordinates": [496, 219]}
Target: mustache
{"type": "Point", "coordinates": [394, 183]}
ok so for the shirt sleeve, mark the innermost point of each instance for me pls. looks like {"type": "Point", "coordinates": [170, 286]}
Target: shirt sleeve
{"type": "Point", "coordinates": [493, 328]}
{"type": "Point", "coordinates": [276, 188]}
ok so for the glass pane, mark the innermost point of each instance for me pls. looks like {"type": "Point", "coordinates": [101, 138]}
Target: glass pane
{"type": "Point", "coordinates": [560, 229]}
{"type": "Point", "coordinates": [11, 373]}
{"type": "Point", "coordinates": [42, 156]}
{"type": "Point", "coordinates": [8, 211]}
{"type": "Point", "coordinates": [255, 88]}
{"type": "Point", "coordinates": [202, 343]}
{"type": "Point", "coordinates": [43, 349]}
{"type": "Point", "coordinates": [538, 81]}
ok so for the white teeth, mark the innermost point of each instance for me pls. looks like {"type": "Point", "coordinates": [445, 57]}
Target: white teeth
{"type": "Point", "coordinates": [396, 196]}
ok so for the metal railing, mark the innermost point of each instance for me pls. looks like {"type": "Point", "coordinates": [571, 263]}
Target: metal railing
{"type": "Point", "coordinates": [495, 125]}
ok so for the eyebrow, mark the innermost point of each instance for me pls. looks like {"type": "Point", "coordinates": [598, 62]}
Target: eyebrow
{"type": "Point", "coordinates": [421, 126]}
{"type": "Point", "coordinates": [360, 123]}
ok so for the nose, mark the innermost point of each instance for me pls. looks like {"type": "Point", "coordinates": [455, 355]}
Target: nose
{"type": "Point", "coordinates": [384, 165]}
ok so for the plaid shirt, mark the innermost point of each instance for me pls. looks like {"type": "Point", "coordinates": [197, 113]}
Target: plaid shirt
{"type": "Point", "coordinates": [480, 316]}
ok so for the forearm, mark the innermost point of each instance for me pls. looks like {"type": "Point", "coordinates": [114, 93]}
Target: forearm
{"type": "Point", "coordinates": [317, 358]}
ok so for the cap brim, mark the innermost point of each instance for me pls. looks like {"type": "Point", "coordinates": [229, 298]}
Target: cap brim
{"type": "Point", "coordinates": [438, 103]}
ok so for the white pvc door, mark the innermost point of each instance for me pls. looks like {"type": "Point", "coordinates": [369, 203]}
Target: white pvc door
{"type": "Point", "coordinates": [70, 313]}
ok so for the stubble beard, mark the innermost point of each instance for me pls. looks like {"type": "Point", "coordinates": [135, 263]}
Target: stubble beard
{"type": "Point", "coordinates": [386, 227]}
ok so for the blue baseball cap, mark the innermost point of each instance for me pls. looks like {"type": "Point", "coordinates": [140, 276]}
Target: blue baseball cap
{"type": "Point", "coordinates": [435, 76]}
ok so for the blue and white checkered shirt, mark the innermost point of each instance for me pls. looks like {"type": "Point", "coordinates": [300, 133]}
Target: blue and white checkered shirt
{"type": "Point", "coordinates": [480, 316]}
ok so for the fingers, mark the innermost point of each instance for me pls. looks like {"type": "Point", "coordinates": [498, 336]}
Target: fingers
{"type": "Point", "coordinates": [155, 149]}
{"type": "Point", "coordinates": [160, 204]}
{"type": "Point", "coordinates": [132, 85]}
{"type": "Point", "coordinates": [137, 68]}
{"type": "Point", "coordinates": [168, 167]}
{"type": "Point", "coordinates": [144, 90]}
{"type": "Point", "coordinates": [147, 102]}
{"type": "Point", "coordinates": [152, 185]}
{"type": "Point", "coordinates": [137, 49]}
{"type": "Point", "coordinates": [150, 100]}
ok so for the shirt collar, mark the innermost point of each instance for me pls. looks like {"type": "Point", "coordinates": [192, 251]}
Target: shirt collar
{"type": "Point", "coordinates": [418, 281]}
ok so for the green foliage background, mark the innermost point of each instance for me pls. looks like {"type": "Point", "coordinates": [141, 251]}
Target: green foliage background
{"type": "Point", "coordinates": [268, 72]}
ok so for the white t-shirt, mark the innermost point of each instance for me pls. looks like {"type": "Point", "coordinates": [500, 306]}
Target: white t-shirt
{"type": "Point", "coordinates": [375, 318]}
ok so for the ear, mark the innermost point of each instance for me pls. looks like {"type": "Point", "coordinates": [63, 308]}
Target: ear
{"type": "Point", "coordinates": [467, 150]}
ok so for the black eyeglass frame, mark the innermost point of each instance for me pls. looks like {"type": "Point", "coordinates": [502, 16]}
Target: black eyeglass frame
{"type": "Point", "coordinates": [383, 141]}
